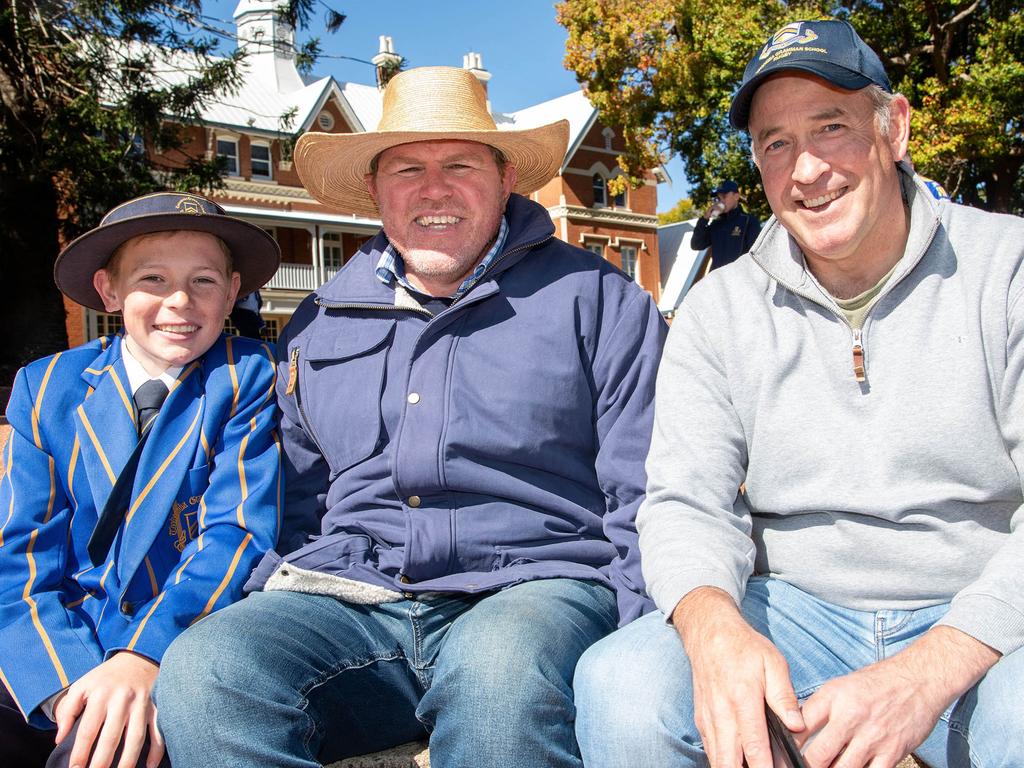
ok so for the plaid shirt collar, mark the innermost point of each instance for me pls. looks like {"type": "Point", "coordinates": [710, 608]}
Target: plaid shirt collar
{"type": "Point", "coordinates": [391, 267]}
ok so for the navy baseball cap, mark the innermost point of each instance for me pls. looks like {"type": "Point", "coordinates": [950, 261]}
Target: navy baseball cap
{"type": "Point", "coordinates": [255, 255]}
{"type": "Point", "coordinates": [726, 186]}
{"type": "Point", "coordinates": [831, 49]}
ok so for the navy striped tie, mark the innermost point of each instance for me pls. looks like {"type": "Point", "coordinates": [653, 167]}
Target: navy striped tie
{"type": "Point", "coordinates": [148, 399]}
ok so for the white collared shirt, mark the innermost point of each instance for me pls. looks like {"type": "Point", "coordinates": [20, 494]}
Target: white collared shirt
{"type": "Point", "coordinates": [137, 375]}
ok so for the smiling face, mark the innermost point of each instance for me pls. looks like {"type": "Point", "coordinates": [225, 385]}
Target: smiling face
{"type": "Point", "coordinates": [174, 291]}
{"type": "Point", "coordinates": [441, 204]}
{"type": "Point", "coordinates": [829, 172]}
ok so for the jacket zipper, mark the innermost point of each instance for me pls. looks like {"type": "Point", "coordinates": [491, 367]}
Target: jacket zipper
{"type": "Point", "coordinates": [503, 256]}
{"type": "Point", "coordinates": [859, 356]}
{"type": "Point", "coordinates": [385, 307]}
{"type": "Point", "coordinates": [293, 389]}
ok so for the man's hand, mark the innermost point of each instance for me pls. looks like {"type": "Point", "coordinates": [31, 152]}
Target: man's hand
{"type": "Point", "coordinates": [713, 210]}
{"type": "Point", "coordinates": [735, 670]}
{"type": "Point", "coordinates": [112, 701]}
{"type": "Point", "coordinates": [877, 715]}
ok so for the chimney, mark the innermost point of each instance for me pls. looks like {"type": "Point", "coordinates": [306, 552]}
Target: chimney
{"type": "Point", "coordinates": [386, 61]}
{"type": "Point", "coordinates": [475, 64]}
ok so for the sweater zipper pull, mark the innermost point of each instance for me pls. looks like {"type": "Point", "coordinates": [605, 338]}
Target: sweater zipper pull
{"type": "Point", "coordinates": [858, 357]}
{"type": "Point", "coordinates": [293, 372]}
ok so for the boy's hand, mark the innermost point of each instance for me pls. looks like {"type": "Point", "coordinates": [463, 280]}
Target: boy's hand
{"type": "Point", "coordinates": [112, 701]}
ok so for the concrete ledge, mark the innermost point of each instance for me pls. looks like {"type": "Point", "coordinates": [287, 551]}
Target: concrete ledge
{"type": "Point", "coordinates": [416, 755]}
{"type": "Point", "coordinates": [411, 755]}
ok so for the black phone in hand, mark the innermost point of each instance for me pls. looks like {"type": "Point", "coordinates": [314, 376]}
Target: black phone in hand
{"type": "Point", "coordinates": [785, 752]}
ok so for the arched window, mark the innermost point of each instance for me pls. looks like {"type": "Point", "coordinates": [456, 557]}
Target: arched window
{"type": "Point", "coordinates": [600, 192]}
{"type": "Point", "coordinates": [619, 200]}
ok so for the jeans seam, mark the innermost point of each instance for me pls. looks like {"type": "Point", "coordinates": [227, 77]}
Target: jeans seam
{"type": "Point", "coordinates": [417, 639]}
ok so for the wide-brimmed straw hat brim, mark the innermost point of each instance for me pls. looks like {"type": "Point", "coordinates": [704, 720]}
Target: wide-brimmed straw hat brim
{"type": "Point", "coordinates": [332, 166]}
{"type": "Point", "coordinates": [255, 255]}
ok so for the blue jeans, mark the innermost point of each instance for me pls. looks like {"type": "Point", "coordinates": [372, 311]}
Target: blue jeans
{"type": "Point", "coordinates": [285, 679]}
{"type": "Point", "coordinates": [635, 703]}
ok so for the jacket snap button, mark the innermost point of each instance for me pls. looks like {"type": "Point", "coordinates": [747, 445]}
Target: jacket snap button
{"type": "Point", "coordinates": [413, 398]}
{"type": "Point", "coordinates": [414, 501]}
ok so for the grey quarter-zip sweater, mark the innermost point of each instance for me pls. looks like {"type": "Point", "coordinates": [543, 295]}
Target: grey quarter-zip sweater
{"type": "Point", "coordinates": [882, 467]}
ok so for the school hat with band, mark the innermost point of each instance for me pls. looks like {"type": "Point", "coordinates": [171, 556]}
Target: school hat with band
{"type": "Point", "coordinates": [423, 104]}
{"type": "Point", "coordinates": [254, 253]}
{"type": "Point", "coordinates": [831, 49]}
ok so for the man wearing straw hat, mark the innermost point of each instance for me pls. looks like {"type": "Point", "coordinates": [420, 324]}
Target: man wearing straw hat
{"type": "Point", "coordinates": [466, 410]}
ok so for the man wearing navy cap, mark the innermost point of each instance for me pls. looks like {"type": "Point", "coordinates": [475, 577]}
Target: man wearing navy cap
{"type": "Point", "coordinates": [725, 227]}
{"type": "Point", "coordinates": [833, 520]}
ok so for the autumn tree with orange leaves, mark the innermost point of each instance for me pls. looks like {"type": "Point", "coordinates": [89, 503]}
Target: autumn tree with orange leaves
{"type": "Point", "coordinates": [665, 70]}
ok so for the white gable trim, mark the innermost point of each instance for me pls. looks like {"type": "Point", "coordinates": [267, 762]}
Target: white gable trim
{"type": "Point", "coordinates": [577, 141]}
{"type": "Point", "coordinates": [332, 89]}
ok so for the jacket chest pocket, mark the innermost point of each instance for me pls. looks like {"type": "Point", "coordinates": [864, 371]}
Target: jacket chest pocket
{"type": "Point", "coordinates": [341, 381]}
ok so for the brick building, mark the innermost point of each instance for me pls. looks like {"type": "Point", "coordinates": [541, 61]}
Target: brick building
{"type": "Point", "coordinates": [255, 129]}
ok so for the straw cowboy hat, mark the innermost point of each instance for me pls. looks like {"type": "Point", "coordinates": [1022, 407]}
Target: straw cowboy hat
{"type": "Point", "coordinates": [254, 253]}
{"type": "Point", "coordinates": [424, 104]}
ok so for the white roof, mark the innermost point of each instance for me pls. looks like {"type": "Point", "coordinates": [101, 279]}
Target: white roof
{"type": "Point", "coordinates": [574, 107]}
{"type": "Point", "coordinates": [259, 104]}
{"type": "Point", "coordinates": [679, 262]}
{"type": "Point", "coordinates": [259, 107]}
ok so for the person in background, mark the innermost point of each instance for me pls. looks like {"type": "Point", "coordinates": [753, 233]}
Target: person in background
{"type": "Point", "coordinates": [725, 227]}
{"type": "Point", "coordinates": [245, 315]}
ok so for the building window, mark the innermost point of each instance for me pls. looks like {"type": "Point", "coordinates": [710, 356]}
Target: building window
{"type": "Point", "coordinates": [271, 330]}
{"type": "Point", "coordinates": [628, 260]}
{"type": "Point", "coordinates": [600, 193]}
{"type": "Point", "coordinates": [260, 158]}
{"type": "Point", "coordinates": [333, 255]}
{"type": "Point", "coordinates": [608, 135]}
{"type": "Point", "coordinates": [228, 150]}
{"type": "Point", "coordinates": [107, 324]}
{"type": "Point", "coordinates": [619, 200]}
{"type": "Point", "coordinates": [597, 248]}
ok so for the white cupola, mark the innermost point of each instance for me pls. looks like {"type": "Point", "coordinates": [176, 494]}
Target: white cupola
{"type": "Point", "coordinates": [269, 42]}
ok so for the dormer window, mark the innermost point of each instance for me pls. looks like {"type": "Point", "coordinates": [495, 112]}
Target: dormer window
{"type": "Point", "coordinates": [600, 191]}
{"type": "Point", "coordinates": [227, 150]}
{"type": "Point", "coordinates": [260, 160]}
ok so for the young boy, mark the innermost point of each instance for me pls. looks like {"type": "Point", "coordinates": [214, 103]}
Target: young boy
{"type": "Point", "coordinates": [141, 480]}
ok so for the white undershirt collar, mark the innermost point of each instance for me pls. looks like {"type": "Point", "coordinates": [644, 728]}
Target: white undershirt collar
{"type": "Point", "coordinates": [137, 375]}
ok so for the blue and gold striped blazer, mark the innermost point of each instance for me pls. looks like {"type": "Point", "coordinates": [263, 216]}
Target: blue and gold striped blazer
{"type": "Point", "coordinates": [205, 506]}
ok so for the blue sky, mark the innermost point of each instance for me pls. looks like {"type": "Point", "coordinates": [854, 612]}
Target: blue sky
{"type": "Point", "coordinates": [521, 44]}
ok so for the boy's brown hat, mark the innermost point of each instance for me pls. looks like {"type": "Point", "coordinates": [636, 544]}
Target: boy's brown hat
{"type": "Point", "coordinates": [254, 253]}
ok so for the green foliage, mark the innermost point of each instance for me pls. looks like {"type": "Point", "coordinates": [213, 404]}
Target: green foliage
{"type": "Point", "coordinates": [683, 210]}
{"type": "Point", "coordinates": [665, 70]}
